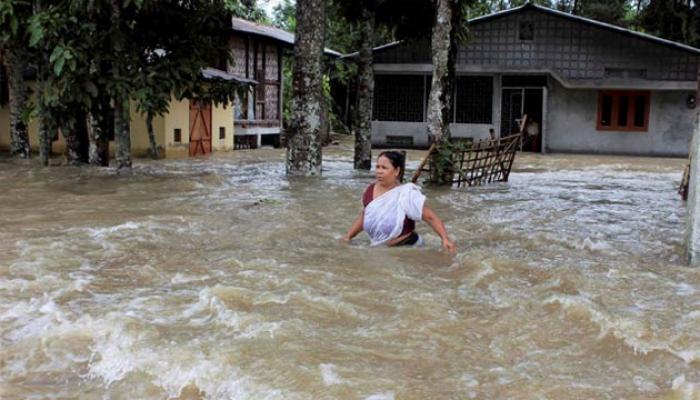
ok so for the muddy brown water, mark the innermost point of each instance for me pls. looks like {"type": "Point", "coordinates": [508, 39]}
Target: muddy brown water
{"type": "Point", "coordinates": [221, 278]}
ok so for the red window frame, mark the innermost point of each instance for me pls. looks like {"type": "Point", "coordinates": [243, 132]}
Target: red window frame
{"type": "Point", "coordinates": [615, 110]}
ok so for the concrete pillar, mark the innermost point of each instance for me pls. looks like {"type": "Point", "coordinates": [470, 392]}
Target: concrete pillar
{"type": "Point", "coordinates": [693, 227]}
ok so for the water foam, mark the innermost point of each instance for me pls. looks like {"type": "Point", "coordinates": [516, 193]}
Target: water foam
{"type": "Point", "coordinates": [381, 396]}
{"type": "Point", "coordinates": [686, 390]}
{"type": "Point", "coordinates": [171, 367]}
{"type": "Point", "coordinates": [329, 376]}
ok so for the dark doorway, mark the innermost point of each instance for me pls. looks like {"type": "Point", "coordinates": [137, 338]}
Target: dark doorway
{"type": "Point", "coordinates": [516, 102]}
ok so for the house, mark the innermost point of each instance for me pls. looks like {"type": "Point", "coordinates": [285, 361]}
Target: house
{"type": "Point", "coordinates": [258, 51]}
{"type": "Point", "coordinates": [590, 86]}
{"type": "Point", "coordinates": [190, 128]}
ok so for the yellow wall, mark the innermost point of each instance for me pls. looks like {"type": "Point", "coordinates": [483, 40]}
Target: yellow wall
{"type": "Point", "coordinates": [5, 128]}
{"type": "Point", "coordinates": [139, 133]}
{"type": "Point", "coordinates": [221, 117]}
{"type": "Point", "coordinates": [177, 118]}
{"type": "Point", "coordinates": [164, 127]}
{"type": "Point", "coordinates": [33, 129]}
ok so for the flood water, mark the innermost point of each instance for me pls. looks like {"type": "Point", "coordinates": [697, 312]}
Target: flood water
{"type": "Point", "coordinates": [223, 279]}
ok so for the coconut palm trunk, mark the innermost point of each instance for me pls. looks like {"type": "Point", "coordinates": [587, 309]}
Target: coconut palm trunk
{"type": "Point", "coordinates": [304, 132]}
{"type": "Point", "coordinates": [19, 137]}
{"type": "Point", "coordinates": [365, 92]}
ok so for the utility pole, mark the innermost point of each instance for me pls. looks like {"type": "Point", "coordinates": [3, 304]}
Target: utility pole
{"type": "Point", "coordinates": [693, 228]}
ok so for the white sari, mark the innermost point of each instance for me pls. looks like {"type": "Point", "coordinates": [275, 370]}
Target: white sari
{"type": "Point", "coordinates": [384, 216]}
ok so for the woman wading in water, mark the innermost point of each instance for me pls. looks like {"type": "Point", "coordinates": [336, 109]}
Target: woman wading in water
{"type": "Point", "coordinates": [391, 208]}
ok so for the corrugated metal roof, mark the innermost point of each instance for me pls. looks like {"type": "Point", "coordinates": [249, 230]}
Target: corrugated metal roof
{"type": "Point", "coordinates": [280, 35]}
{"type": "Point", "coordinates": [213, 73]}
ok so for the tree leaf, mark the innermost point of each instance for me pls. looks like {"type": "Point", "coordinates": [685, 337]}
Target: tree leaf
{"type": "Point", "coordinates": [36, 31]}
{"type": "Point", "coordinates": [58, 66]}
{"type": "Point", "coordinates": [56, 53]}
{"type": "Point", "coordinates": [13, 25]}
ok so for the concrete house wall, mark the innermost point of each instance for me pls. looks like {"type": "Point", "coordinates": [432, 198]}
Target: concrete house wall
{"type": "Point", "coordinates": [571, 125]}
{"type": "Point", "coordinates": [578, 57]}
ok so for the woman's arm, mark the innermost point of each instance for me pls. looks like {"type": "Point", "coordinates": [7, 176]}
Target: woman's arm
{"type": "Point", "coordinates": [436, 223]}
{"type": "Point", "coordinates": [355, 228]}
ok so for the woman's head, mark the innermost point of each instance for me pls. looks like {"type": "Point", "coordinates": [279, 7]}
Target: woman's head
{"type": "Point", "coordinates": [390, 166]}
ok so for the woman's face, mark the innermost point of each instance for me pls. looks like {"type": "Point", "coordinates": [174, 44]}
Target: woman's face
{"type": "Point", "coordinates": [385, 171]}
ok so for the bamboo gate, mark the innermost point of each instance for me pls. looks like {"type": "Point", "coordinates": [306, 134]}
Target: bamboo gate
{"type": "Point", "coordinates": [478, 162]}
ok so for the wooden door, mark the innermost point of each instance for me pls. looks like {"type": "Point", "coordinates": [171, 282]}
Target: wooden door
{"type": "Point", "coordinates": [200, 128]}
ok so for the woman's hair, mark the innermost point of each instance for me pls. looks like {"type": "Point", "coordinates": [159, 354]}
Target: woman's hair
{"type": "Point", "coordinates": [398, 160]}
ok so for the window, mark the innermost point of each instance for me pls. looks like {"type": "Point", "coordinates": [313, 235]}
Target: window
{"type": "Point", "coordinates": [623, 111]}
{"type": "Point", "coordinates": [526, 31]}
{"type": "Point", "coordinates": [222, 132]}
{"type": "Point", "coordinates": [260, 94]}
{"type": "Point", "coordinates": [398, 98]}
{"type": "Point", "coordinates": [474, 96]}
{"type": "Point", "coordinates": [177, 135]}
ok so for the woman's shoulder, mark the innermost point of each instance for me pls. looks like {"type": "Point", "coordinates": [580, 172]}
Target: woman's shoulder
{"type": "Point", "coordinates": [410, 186]}
{"type": "Point", "coordinates": [368, 195]}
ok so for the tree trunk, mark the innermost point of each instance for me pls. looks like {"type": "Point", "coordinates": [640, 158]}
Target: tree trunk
{"type": "Point", "coordinates": [75, 133]}
{"type": "Point", "coordinates": [365, 92]}
{"type": "Point", "coordinates": [100, 123]}
{"type": "Point", "coordinates": [444, 49]}
{"type": "Point", "coordinates": [122, 136]}
{"type": "Point", "coordinates": [72, 144]}
{"type": "Point", "coordinates": [19, 138]}
{"type": "Point", "coordinates": [47, 126]}
{"type": "Point", "coordinates": [444, 53]}
{"type": "Point", "coordinates": [155, 154]}
{"type": "Point", "coordinates": [47, 130]}
{"type": "Point", "coordinates": [303, 135]}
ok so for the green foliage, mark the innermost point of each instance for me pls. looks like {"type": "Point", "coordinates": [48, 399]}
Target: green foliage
{"type": "Point", "coordinates": [284, 16]}
{"type": "Point", "coordinates": [442, 166]}
{"type": "Point", "coordinates": [672, 19]}
{"type": "Point", "coordinates": [287, 65]}
{"type": "Point", "coordinates": [247, 9]}
{"type": "Point", "coordinates": [610, 11]}
{"type": "Point", "coordinates": [30, 112]}
{"type": "Point", "coordinates": [144, 50]}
